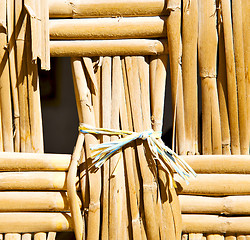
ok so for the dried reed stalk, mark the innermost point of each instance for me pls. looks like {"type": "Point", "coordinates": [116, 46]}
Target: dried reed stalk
{"type": "Point", "coordinates": [149, 184]}
{"type": "Point", "coordinates": [102, 8]}
{"type": "Point", "coordinates": [84, 93]}
{"type": "Point", "coordinates": [91, 48]}
{"type": "Point", "coordinates": [6, 108]}
{"type": "Point", "coordinates": [71, 190]}
{"type": "Point", "coordinates": [34, 222]}
{"type": "Point", "coordinates": [13, 76]}
{"type": "Point", "coordinates": [207, 54]}
{"type": "Point", "coordinates": [240, 74]}
{"type": "Point", "coordinates": [175, 53]}
{"type": "Point", "coordinates": [35, 201]}
{"type": "Point", "coordinates": [106, 121]}
{"type": "Point", "coordinates": [222, 90]}
{"type": "Point", "coordinates": [189, 73]}
{"type": "Point", "coordinates": [231, 77]}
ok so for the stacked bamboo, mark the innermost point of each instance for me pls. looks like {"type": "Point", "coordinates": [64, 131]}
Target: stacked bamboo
{"type": "Point", "coordinates": [21, 121]}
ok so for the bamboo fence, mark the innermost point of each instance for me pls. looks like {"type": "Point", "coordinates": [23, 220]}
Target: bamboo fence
{"type": "Point", "coordinates": [120, 52]}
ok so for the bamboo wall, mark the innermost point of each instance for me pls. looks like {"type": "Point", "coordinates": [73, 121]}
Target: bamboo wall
{"type": "Point", "coordinates": [210, 37]}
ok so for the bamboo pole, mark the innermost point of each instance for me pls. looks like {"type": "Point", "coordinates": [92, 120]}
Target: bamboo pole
{"type": "Point", "coordinates": [228, 205]}
{"type": "Point", "coordinates": [34, 222]}
{"type": "Point", "coordinates": [33, 162]}
{"type": "Point", "coordinates": [33, 181]}
{"type": "Point", "coordinates": [102, 8]}
{"type": "Point", "coordinates": [215, 224]}
{"type": "Point", "coordinates": [217, 185]}
{"type": "Point", "coordinates": [93, 222]}
{"type": "Point", "coordinates": [231, 77]}
{"type": "Point", "coordinates": [149, 184]}
{"type": "Point", "coordinates": [13, 76]}
{"type": "Point", "coordinates": [6, 109]}
{"type": "Point", "coordinates": [75, 210]}
{"type": "Point", "coordinates": [108, 28]}
{"type": "Point", "coordinates": [33, 201]}
{"type": "Point", "coordinates": [175, 53]}
{"type": "Point", "coordinates": [219, 163]}
{"type": "Point", "coordinates": [222, 90]}
{"type": "Point", "coordinates": [106, 121]}
{"type": "Point", "coordinates": [207, 55]}
{"type": "Point", "coordinates": [189, 72]}
{"type": "Point", "coordinates": [78, 48]}
{"type": "Point", "coordinates": [21, 60]}
{"type": "Point", "coordinates": [240, 74]}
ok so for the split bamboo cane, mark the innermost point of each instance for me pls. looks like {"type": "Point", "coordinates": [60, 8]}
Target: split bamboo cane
{"type": "Point", "coordinates": [102, 8]}
{"type": "Point", "coordinates": [240, 74]}
{"type": "Point", "coordinates": [106, 121]}
{"type": "Point", "coordinates": [189, 73]}
{"type": "Point", "coordinates": [231, 77]}
{"type": "Point", "coordinates": [13, 76]}
{"type": "Point", "coordinates": [149, 184]}
{"type": "Point", "coordinates": [6, 109]}
{"type": "Point", "coordinates": [93, 224]}
{"type": "Point", "coordinates": [175, 53]}
{"type": "Point", "coordinates": [108, 28]}
{"type": "Point", "coordinates": [222, 90]}
{"type": "Point", "coordinates": [34, 222]}
{"type": "Point", "coordinates": [78, 48]}
{"type": "Point", "coordinates": [207, 54]}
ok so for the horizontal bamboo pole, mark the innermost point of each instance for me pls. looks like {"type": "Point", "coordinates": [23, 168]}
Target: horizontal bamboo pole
{"type": "Point", "coordinates": [102, 8]}
{"type": "Point", "coordinates": [32, 181]}
{"type": "Point", "coordinates": [216, 184]}
{"type": "Point", "coordinates": [34, 222]}
{"type": "Point", "coordinates": [33, 161]}
{"type": "Point", "coordinates": [107, 28]}
{"type": "Point", "coordinates": [219, 163]}
{"type": "Point", "coordinates": [90, 48]}
{"type": "Point", "coordinates": [229, 205]}
{"type": "Point", "coordinates": [215, 224]}
{"type": "Point", "coordinates": [20, 201]}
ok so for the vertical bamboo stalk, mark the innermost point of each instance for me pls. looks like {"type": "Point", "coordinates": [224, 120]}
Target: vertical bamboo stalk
{"type": "Point", "coordinates": [189, 72]}
{"type": "Point", "coordinates": [149, 184]}
{"type": "Point", "coordinates": [231, 77]}
{"type": "Point", "coordinates": [106, 121]}
{"type": "Point", "coordinates": [72, 192]}
{"type": "Point", "coordinates": [5, 97]}
{"type": "Point", "coordinates": [129, 169]}
{"type": "Point", "coordinates": [21, 59]}
{"type": "Point", "coordinates": [12, 236]}
{"type": "Point", "coordinates": [207, 54]}
{"type": "Point", "coordinates": [175, 53]}
{"type": "Point", "coordinates": [93, 228]}
{"type": "Point", "coordinates": [240, 74]}
{"type": "Point", "coordinates": [13, 76]}
{"type": "Point", "coordinates": [222, 90]}
{"type": "Point", "coordinates": [246, 36]}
